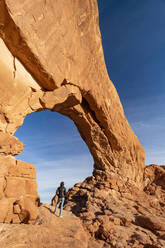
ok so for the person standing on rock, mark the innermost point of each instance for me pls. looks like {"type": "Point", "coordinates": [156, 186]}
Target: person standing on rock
{"type": "Point", "coordinates": [61, 193]}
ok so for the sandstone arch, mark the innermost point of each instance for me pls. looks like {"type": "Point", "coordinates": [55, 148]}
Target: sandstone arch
{"type": "Point", "coordinates": [51, 58]}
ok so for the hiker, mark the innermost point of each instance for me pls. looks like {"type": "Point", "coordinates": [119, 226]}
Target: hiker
{"type": "Point", "coordinates": [61, 193]}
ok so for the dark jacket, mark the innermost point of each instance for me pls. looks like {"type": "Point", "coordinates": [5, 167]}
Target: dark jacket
{"type": "Point", "coordinates": [61, 192]}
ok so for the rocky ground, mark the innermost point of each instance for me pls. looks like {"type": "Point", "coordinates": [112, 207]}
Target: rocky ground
{"type": "Point", "coordinates": [98, 216]}
{"type": "Point", "coordinates": [49, 231]}
{"type": "Point", "coordinates": [122, 216]}
{"type": "Point", "coordinates": [52, 59]}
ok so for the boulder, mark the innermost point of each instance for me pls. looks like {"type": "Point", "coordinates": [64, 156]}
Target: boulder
{"type": "Point", "coordinates": [9, 145]}
{"type": "Point", "coordinates": [153, 223]}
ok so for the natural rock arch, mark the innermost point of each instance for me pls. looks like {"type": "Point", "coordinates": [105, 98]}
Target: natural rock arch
{"type": "Point", "coordinates": [70, 77]}
{"type": "Point", "coordinates": [54, 145]}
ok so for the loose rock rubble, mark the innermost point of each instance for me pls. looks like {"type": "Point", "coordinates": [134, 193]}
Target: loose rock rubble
{"type": "Point", "coordinates": [126, 218]}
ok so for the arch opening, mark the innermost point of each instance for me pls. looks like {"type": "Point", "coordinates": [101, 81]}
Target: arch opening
{"type": "Point", "coordinates": [53, 144]}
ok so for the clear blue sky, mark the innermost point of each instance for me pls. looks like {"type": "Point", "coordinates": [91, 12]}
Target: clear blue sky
{"type": "Point", "coordinates": [134, 47]}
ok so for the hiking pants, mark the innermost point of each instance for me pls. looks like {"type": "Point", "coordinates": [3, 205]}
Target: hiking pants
{"type": "Point", "coordinates": [60, 201]}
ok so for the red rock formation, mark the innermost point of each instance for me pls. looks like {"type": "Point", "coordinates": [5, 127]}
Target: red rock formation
{"type": "Point", "coordinates": [122, 215]}
{"type": "Point", "coordinates": [17, 183]}
{"type": "Point", "coordinates": [49, 231]}
{"type": "Point", "coordinates": [69, 57]}
{"type": "Point", "coordinates": [51, 58]}
{"type": "Point", "coordinates": [48, 62]}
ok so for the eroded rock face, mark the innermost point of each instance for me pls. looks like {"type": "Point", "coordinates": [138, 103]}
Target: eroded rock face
{"type": "Point", "coordinates": [117, 215]}
{"type": "Point", "coordinates": [51, 58]}
{"type": "Point", "coordinates": [71, 54]}
{"type": "Point", "coordinates": [108, 217]}
{"type": "Point", "coordinates": [18, 190]}
{"type": "Point", "coordinates": [49, 231]}
{"type": "Point", "coordinates": [9, 145]}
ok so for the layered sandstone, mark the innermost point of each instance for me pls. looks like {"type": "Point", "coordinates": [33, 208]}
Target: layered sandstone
{"type": "Point", "coordinates": [51, 58]}
{"type": "Point", "coordinates": [49, 231]}
{"type": "Point", "coordinates": [18, 191]}
{"type": "Point", "coordinates": [59, 44]}
{"type": "Point", "coordinates": [122, 216]}
{"type": "Point", "coordinates": [106, 218]}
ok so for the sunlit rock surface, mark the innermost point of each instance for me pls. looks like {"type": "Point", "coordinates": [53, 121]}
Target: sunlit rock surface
{"type": "Point", "coordinates": [51, 57]}
{"type": "Point", "coordinates": [18, 190]}
{"type": "Point", "coordinates": [59, 44]}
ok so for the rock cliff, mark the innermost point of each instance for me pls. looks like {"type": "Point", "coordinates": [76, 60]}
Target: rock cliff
{"type": "Point", "coordinates": [51, 57]}
{"type": "Point", "coordinates": [66, 61]}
